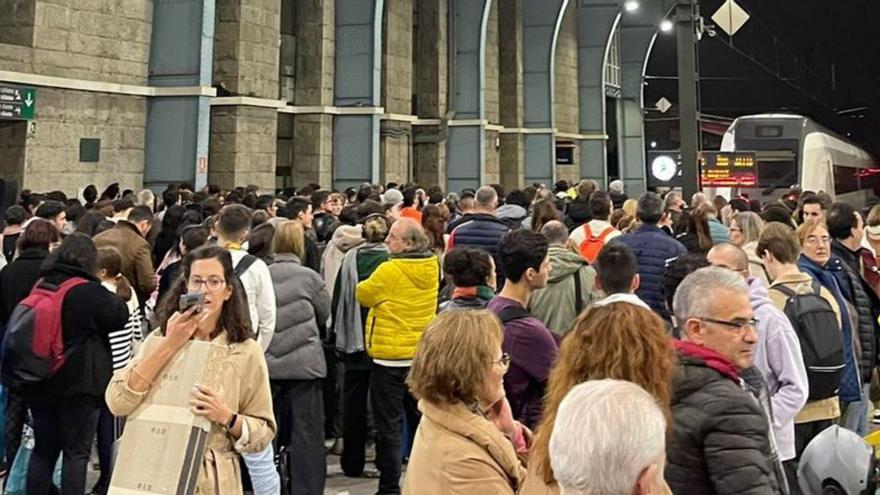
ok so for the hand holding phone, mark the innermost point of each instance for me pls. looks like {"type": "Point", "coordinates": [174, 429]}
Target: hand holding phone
{"type": "Point", "coordinates": [187, 301]}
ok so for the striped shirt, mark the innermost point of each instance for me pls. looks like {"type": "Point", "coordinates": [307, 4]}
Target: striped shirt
{"type": "Point", "coordinates": [121, 340]}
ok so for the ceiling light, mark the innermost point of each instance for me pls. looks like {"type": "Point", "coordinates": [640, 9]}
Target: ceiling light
{"type": "Point", "coordinates": [666, 26]}
{"type": "Point", "coordinates": [631, 6]}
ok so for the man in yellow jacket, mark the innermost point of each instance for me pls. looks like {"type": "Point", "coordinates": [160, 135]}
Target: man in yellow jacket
{"type": "Point", "coordinates": [402, 297]}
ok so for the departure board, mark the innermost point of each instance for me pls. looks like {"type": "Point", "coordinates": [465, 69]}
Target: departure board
{"type": "Point", "coordinates": [728, 169]}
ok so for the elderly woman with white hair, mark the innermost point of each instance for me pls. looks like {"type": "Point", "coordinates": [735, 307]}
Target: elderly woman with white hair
{"type": "Point", "coordinates": [616, 193]}
{"type": "Point", "coordinates": [609, 438]}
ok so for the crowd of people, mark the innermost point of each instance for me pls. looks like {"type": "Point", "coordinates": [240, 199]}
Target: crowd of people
{"type": "Point", "coordinates": [541, 340]}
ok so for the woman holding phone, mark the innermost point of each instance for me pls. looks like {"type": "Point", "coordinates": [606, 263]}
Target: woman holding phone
{"type": "Point", "coordinates": [242, 416]}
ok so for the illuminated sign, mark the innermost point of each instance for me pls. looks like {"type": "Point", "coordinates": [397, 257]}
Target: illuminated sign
{"type": "Point", "coordinates": [728, 169]}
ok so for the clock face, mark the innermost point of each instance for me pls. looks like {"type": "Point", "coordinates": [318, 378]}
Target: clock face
{"type": "Point", "coordinates": [664, 168]}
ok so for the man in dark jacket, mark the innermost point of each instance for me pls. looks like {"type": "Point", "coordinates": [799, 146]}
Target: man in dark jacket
{"type": "Point", "coordinates": [137, 256]}
{"type": "Point", "coordinates": [846, 228]}
{"type": "Point", "coordinates": [483, 230]}
{"type": "Point", "coordinates": [722, 442]}
{"type": "Point", "coordinates": [652, 248]}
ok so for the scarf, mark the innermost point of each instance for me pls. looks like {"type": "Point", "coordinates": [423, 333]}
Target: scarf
{"type": "Point", "coordinates": [477, 292]}
{"type": "Point", "coordinates": [347, 319]}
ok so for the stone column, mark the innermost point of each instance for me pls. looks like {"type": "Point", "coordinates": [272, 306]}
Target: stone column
{"type": "Point", "coordinates": [431, 66]}
{"type": "Point", "coordinates": [512, 157]}
{"type": "Point", "coordinates": [395, 139]}
{"type": "Point", "coordinates": [246, 51]}
{"type": "Point", "coordinates": [566, 82]}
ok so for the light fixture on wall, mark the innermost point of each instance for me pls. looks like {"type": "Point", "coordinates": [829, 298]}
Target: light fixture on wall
{"type": "Point", "coordinates": [666, 26]}
{"type": "Point", "coordinates": [631, 6]}
{"type": "Point", "coordinates": [653, 144]}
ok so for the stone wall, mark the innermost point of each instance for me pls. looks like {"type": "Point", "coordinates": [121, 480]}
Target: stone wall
{"type": "Point", "coordinates": [63, 118]}
{"type": "Point", "coordinates": [243, 146]}
{"type": "Point", "coordinates": [431, 60]}
{"type": "Point", "coordinates": [312, 149]}
{"type": "Point", "coordinates": [99, 40]}
{"type": "Point", "coordinates": [13, 136]}
{"type": "Point", "coordinates": [394, 152]}
{"type": "Point", "coordinates": [397, 62]}
{"type": "Point", "coordinates": [493, 113]}
{"type": "Point", "coordinates": [246, 47]}
{"type": "Point", "coordinates": [315, 52]}
{"type": "Point", "coordinates": [566, 91]}
{"type": "Point", "coordinates": [17, 22]}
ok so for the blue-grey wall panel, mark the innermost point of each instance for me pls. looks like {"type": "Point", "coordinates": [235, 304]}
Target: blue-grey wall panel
{"type": "Point", "coordinates": [464, 157]}
{"type": "Point", "coordinates": [352, 149]}
{"type": "Point", "coordinates": [176, 43]}
{"type": "Point", "coordinates": [467, 43]}
{"type": "Point", "coordinates": [172, 132]}
{"type": "Point", "coordinates": [539, 158]}
{"type": "Point", "coordinates": [354, 62]}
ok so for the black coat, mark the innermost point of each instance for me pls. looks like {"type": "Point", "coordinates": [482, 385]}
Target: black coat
{"type": "Point", "coordinates": [720, 435]}
{"type": "Point", "coordinates": [863, 299]}
{"type": "Point", "coordinates": [578, 213]}
{"type": "Point", "coordinates": [18, 278]}
{"type": "Point", "coordinates": [481, 231]}
{"type": "Point", "coordinates": [89, 313]}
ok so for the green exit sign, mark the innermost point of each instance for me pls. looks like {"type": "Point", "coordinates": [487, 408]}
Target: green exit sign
{"type": "Point", "coordinates": [17, 103]}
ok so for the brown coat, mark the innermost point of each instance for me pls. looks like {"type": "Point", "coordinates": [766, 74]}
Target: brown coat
{"type": "Point", "coordinates": [245, 389]}
{"type": "Point", "coordinates": [137, 256]}
{"type": "Point", "coordinates": [459, 452]}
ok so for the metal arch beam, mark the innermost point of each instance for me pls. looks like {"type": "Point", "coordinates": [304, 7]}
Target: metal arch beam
{"type": "Point", "coordinates": [541, 21]}
{"type": "Point", "coordinates": [597, 20]}
{"type": "Point", "coordinates": [638, 31]}
{"type": "Point", "coordinates": [358, 79]}
{"type": "Point", "coordinates": [466, 136]}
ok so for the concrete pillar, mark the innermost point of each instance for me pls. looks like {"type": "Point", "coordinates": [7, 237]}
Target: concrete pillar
{"type": "Point", "coordinates": [512, 159]}
{"type": "Point", "coordinates": [243, 146]}
{"type": "Point", "coordinates": [310, 158]}
{"type": "Point", "coordinates": [246, 57]}
{"type": "Point", "coordinates": [565, 104]}
{"type": "Point", "coordinates": [397, 91]}
{"type": "Point", "coordinates": [431, 67]}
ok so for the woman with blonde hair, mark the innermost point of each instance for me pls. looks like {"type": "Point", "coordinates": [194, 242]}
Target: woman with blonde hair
{"type": "Point", "coordinates": [629, 207]}
{"type": "Point", "coordinates": [615, 340]}
{"type": "Point", "coordinates": [467, 440]}
{"type": "Point", "coordinates": [745, 230]}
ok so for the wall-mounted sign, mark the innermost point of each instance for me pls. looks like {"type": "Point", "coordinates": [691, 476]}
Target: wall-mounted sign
{"type": "Point", "coordinates": [728, 169]}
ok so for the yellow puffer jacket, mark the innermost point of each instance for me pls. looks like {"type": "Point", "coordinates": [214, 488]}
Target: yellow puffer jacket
{"type": "Point", "coordinates": [402, 297]}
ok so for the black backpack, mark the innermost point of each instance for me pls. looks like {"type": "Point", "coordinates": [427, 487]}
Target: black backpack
{"type": "Point", "coordinates": [818, 330]}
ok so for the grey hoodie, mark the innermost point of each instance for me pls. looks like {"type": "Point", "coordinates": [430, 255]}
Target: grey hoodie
{"type": "Point", "coordinates": [555, 304]}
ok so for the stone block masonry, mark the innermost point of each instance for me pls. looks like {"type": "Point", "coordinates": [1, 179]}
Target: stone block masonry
{"type": "Point", "coordinates": [243, 146]}
{"type": "Point", "coordinates": [246, 47]}
{"type": "Point", "coordinates": [63, 118]}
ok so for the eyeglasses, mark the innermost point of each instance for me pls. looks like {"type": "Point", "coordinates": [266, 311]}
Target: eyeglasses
{"type": "Point", "coordinates": [736, 323]}
{"type": "Point", "coordinates": [212, 284]}
{"type": "Point", "coordinates": [504, 361]}
{"type": "Point", "coordinates": [813, 240]}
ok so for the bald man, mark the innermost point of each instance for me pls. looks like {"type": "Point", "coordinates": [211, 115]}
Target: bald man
{"type": "Point", "coordinates": [777, 354]}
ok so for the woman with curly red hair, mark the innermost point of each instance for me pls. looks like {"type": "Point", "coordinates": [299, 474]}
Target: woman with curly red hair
{"type": "Point", "coordinates": [619, 341]}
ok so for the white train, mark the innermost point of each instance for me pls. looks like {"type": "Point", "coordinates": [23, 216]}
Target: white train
{"type": "Point", "coordinates": [792, 150]}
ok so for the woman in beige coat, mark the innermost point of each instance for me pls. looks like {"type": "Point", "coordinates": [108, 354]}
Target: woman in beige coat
{"type": "Point", "coordinates": [467, 441]}
{"type": "Point", "coordinates": [241, 414]}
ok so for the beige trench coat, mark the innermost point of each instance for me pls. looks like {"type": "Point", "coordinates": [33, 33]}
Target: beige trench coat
{"type": "Point", "coordinates": [246, 391]}
{"type": "Point", "coordinates": [457, 452]}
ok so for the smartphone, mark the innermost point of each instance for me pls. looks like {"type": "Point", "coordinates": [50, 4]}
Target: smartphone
{"type": "Point", "coordinates": [196, 299]}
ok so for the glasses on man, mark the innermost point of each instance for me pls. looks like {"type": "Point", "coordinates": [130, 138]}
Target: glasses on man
{"type": "Point", "coordinates": [738, 324]}
{"type": "Point", "coordinates": [211, 284]}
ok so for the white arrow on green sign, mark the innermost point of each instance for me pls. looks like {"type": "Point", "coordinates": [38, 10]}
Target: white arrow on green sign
{"type": "Point", "coordinates": [17, 103]}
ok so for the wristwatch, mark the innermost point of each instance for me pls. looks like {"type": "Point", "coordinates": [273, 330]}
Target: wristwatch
{"type": "Point", "coordinates": [231, 424]}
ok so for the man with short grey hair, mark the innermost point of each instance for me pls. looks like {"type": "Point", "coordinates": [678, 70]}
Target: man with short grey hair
{"type": "Point", "coordinates": [571, 286]}
{"type": "Point", "coordinates": [721, 442]}
{"type": "Point", "coordinates": [483, 229]}
{"type": "Point", "coordinates": [622, 447]}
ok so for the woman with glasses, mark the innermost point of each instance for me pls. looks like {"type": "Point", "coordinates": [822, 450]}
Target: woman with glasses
{"type": "Point", "coordinates": [467, 441]}
{"type": "Point", "coordinates": [816, 260]}
{"type": "Point", "coordinates": [296, 359]}
{"type": "Point", "coordinates": [617, 340]}
{"type": "Point", "coordinates": [242, 415]}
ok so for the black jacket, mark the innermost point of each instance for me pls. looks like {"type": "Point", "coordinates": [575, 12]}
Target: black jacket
{"type": "Point", "coordinates": [482, 231]}
{"type": "Point", "coordinates": [578, 213]}
{"type": "Point", "coordinates": [89, 313]}
{"type": "Point", "coordinates": [720, 435]}
{"type": "Point", "coordinates": [863, 299]}
{"type": "Point", "coordinates": [18, 278]}
{"type": "Point", "coordinates": [324, 224]}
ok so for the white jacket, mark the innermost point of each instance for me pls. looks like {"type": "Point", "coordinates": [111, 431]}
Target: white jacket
{"type": "Point", "coordinates": [260, 296]}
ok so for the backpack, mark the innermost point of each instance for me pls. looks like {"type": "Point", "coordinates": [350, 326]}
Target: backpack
{"type": "Point", "coordinates": [817, 328]}
{"type": "Point", "coordinates": [240, 270]}
{"type": "Point", "coordinates": [33, 349]}
{"type": "Point", "coordinates": [590, 247]}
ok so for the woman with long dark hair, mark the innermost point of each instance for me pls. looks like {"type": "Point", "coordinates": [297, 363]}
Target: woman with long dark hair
{"type": "Point", "coordinates": [225, 321]}
{"type": "Point", "coordinates": [169, 233]}
{"type": "Point", "coordinates": [65, 407]}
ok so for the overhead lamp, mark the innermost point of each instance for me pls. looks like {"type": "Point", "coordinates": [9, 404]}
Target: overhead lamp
{"type": "Point", "coordinates": [666, 26]}
{"type": "Point", "coordinates": [631, 5]}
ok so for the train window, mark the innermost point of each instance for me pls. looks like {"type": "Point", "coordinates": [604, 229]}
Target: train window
{"type": "Point", "coordinates": [846, 179]}
{"type": "Point", "coordinates": [777, 173]}
{"type": "Point", "coordinates": [768, 131]}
